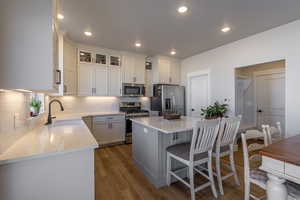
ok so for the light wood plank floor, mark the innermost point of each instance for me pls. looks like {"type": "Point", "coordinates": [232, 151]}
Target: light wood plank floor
{"type": "Point", "coordinates": [117, 178]}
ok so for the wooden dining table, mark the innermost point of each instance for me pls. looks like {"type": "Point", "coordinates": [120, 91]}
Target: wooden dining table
{"type": "Point", "coordinates": [281, 161]}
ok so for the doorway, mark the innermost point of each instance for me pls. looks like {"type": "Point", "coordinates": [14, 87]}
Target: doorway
{"type": "Point", "coordinates": [260, 94]}
{"type": "Point", "coordinates": [197, 92]}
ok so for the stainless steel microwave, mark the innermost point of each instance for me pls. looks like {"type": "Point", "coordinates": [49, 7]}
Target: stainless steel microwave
{"type": "Point", "coordinates": [134, 90]}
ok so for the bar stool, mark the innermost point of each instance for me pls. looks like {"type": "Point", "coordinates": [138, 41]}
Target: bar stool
{"type": "Point", "coordinates": [225, 146]}
{"type": "Point", "coordinates": [195, 154]}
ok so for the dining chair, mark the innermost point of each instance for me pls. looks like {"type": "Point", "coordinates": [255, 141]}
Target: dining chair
{"type": "Point", "coordinates": [224, 146]}
{"type": "Point", "coordinates": [252, 173]}
{"type": "Point", "coordinates": [195, 155]}
{"type": "Point", "coordinates": [273, 133]}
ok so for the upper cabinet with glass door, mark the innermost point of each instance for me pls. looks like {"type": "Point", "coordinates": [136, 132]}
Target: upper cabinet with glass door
{"type": "Point", "coordinates": [101, 58]}
{"type": "Point", "coordinates": [85, 56]}
{"type": "Point", "coordinates": [92, 57]}
{"type": "Point", "coordinates": [115, 60]}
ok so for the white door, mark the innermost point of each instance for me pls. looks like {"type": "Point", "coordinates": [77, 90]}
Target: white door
{"type": "Point", "coordinates": [85, 80]}
{"type": "Point", "coordinates": [114, 81]}
{"type": "Point", "coordinates": [101, 82]}
{"type": "Point", "coordinates": [164, 70]}
{"type": "Point", "coordinates": [139, 69]}
{"type": "Point", "coordinates": [197, 94]}
{"type": "Point", "coordinates": [128, 68]}
{"type": "Point", "coordinates": [270, 99]}
{"type": "Point", "coordinates": [175, 72]}
{"type": "Point", "coordinates": [70, 82]}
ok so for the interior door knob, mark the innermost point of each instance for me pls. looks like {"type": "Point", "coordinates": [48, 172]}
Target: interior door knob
{"type": "Point", "coordinates": [260, 111]}
{"type": "Point", "coordinates": [192, 109]}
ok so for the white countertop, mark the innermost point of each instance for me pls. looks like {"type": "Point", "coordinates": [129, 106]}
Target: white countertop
{"type": "Point", "coordinates": [62, 136]}
{"type": "Point", "coordinates": [167, 126]}
{"type": "Point", "coordinates": [68, 116]}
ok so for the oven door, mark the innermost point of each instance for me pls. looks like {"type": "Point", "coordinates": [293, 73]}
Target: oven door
{"type": "Point", "coordinates": [133, 90]}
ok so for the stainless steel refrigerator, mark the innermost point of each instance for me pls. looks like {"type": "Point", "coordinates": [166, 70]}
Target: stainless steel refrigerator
{"type": "Point", "coordinates": [168, 99]}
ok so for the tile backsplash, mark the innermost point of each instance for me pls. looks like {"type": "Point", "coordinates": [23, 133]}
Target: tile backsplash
{"type": "Point", "coordinates": [75, 104]}
{"type": "Point", "coordinates": [15, 118]}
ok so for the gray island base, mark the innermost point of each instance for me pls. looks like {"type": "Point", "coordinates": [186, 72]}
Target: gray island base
{"type": "Point", "coordinates": [150, 138]}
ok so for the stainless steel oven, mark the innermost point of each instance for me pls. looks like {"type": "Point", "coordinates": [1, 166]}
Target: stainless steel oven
{"type": "Point", "coordinates": [134, 90]}
{"type": "Point", "coordinates": [132, 110]}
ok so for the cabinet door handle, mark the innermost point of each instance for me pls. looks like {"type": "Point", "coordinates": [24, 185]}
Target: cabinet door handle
{"type": "Point", "coordinates": [170, 79]}
{"type": "Point", "coordinates": [134, 79]}
{"type": "Point", "coordinates": [58, 80]}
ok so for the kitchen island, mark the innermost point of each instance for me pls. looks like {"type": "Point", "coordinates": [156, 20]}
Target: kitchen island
{"type": "Point", "coordinates": [150, 138]}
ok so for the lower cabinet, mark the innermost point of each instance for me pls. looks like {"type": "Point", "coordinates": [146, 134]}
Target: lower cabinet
{"type": "Point", "coordinates": [109, 129]}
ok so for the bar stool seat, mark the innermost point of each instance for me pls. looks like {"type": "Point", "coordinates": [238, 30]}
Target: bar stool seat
{"type": "Point", "coordinates": [183, 151]}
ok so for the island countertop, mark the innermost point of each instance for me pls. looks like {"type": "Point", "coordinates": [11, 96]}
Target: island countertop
{"type": "Point", "coordinates": [167, 126]}
{"type": "Point", "coordinates": [62, 136]}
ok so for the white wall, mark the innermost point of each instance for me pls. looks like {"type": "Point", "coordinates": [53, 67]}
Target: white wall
{"type": "Point", "coordinates": [280, 43]}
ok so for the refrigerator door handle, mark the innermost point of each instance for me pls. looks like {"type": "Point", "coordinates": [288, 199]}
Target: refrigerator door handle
{"type": "Point", "coordinates": [173, 104]}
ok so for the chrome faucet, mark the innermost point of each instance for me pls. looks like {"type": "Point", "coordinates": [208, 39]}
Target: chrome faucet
{"type": "Point", "coordinates": [49, 121]}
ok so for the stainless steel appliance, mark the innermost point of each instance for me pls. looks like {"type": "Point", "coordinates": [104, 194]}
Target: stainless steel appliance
{"type": "Point", "coordinates": [135, 90]}
{"type": "Point", "coordinates": [168, 99]}
{"type": "Point", "coordinates": [132, 110]}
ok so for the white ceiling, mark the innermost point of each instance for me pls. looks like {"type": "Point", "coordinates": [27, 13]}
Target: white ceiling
{"type": "Point", "coordinates": [117, 24]}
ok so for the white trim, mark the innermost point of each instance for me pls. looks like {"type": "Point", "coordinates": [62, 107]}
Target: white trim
{"type": "Point", "coordinates": [195, 74]}
{"type": "Point", "coordinates": [269, 72]}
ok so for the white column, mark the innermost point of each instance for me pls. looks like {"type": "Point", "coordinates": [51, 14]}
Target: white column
{"type": "Point", "coordinates": [276, 190]}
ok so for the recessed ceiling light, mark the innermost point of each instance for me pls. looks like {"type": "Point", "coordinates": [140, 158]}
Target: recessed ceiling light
{"type": "Point", "coordinates": [173, 52]}
{"type": "Point", "coordinates": [87, 33]}
{"type": "Point", "coordinates": [60, 16]}
{"type": "Point", "coordinates": [138, 44]}
{"type": "Point", "coordinates": [182, 9]}
{"type": "Point", "coordinates": [225, 29]}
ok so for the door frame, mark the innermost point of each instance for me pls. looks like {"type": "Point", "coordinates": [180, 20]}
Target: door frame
{"type": "Point", "coordinates": [189, 77]}
{"type": "Point", "coordinates": [263, 73]}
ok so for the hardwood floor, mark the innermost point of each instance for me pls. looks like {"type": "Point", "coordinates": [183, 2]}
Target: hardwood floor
{"type": "Point", "coordinates": [117, 178]}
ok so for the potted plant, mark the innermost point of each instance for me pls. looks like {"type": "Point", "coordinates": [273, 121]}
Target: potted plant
{"type": "Point", "coordinates": [214, 111]}
{"type": "Point", "coordinates": [35, 104]}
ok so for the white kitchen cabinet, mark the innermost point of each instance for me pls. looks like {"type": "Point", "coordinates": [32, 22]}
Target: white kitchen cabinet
{"type": "Point", "coordinates": [140, 70]}
{"type": "Point", "coordinates": [29, 43]}
{"type": "Point", "coordinates": [69, 67]}
{"type": "Point", "coordinates": [115, 60]}
{"type": "Point", "coordinates": [175, 72]}
{"type": "Point", "coordinates": [85, 80]}
{"type": "Point", "coordinates": [133, 66]}
{"type": "Point", "coordinates": [128, 68]}
{"type": "Point", "coordinates": [100, 58]}
{"type": "Point", "coordinates": [105, 65]}
{"type": "Point", "coordinates": [92, 80]}
{"type": "Point", "coordinates": [165, 70]}
{"type": "Point", "coordinates": [90, 55]}
{"type": "Point", "coordinates": [70, 82]}
{"type": "Point", "coordinates": [114, 81]}
{"type": "Point", "coordinates": [109, 129]}
{"type": "Point", "coordinates": [100, 81]}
